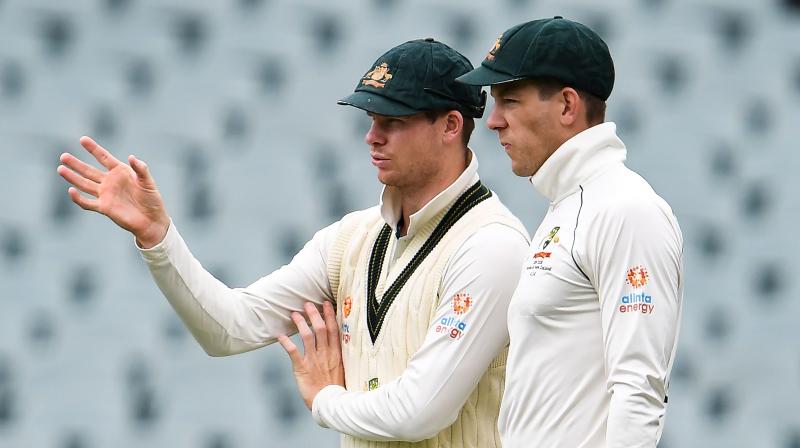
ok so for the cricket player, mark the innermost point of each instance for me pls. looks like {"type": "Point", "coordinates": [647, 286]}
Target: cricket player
{"type": "Point", "coordinates": [421, 282]}
{"type": "Point", "coordinates": [594, 320]}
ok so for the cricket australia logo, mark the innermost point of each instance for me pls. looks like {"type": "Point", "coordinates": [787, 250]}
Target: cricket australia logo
{"type": "Point", "coordinates": [373, 384]}
{"type": "Point", "coordinates": [550, 238]}
{"type": "Point", "coordinates": [377, 77]}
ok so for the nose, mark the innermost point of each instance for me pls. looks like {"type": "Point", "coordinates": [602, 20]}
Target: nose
{"type": "Point", "coordinates": [374, 136]}
{"type": "Point", "coordinates": [496, 121]}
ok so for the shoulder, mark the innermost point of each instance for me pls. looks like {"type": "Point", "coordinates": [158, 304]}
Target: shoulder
{"type": "Point", "coordinates": [623, 195]}
{"type": "Point", "coordinates": [495, 214]}
{"type": "Point", "coordinates": [624, 207]}
{"type": "Point", "coordinates": [494, 245]}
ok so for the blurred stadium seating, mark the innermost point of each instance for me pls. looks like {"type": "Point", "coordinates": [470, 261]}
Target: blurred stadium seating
{"type": "Point", "coordinates": [233, 105]}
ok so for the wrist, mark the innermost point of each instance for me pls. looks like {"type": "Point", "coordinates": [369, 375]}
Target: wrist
{"type": "Point", "coordinates": [153, 235]}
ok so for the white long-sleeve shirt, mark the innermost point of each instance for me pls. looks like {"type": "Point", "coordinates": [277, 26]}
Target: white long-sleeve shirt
{"type": "Point", "coordinates": [442, 373]}
{"type": "Point", "coordinates": [594, 320]}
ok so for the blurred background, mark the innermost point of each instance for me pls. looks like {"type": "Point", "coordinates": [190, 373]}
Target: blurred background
{"type": "Point", "coordinates": [233, 105]}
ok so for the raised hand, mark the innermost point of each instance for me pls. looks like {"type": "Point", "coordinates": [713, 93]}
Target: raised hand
{"type": "Point", "coordinates": [321, 364]}
{"type": "Point", "coordinates": [125, 193]}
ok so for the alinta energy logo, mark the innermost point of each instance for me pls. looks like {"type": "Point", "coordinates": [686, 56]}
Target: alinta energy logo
{"type": "Point", "coordinates": [639, 301]}
{"type": "Point", "coordinates": [637, 276]}
{"type": "Point", "coordinates": [452, 326]}
{"type": "Point", "coordinates": [462, 302]}
{"type": "Point", "coordinates": [346, 333]}
{"type": "Point", "coordinates": [348, 306]}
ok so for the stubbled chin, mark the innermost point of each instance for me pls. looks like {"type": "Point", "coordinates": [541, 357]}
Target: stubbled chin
{"type": "Point", "coordinates": [520, 171]}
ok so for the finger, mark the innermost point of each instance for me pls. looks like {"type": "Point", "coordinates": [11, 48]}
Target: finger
{"type": "Point", "coordinates": [291, 349]}
{"type": "Point", "coordinates": [333, 327]}
{"type": "Point", "coordinates": [305, 333]}
{"type": "Point", "coordinates": [99, 153]}
{"type": "Point", "coordinates": [142, 172]}
{"type": "Point", "coordinates": [82, 183]}
{"type": "Point", "coordinates": [82, 168]}
{"type": "Point", "coordinates": [320, 330]}
{"type": "Point", "coordinates": [83, 202]}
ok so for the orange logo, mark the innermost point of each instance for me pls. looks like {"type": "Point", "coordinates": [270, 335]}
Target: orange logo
{"type": "Point", "coordinates": [542, 255]}
{"type": "Point", "coordinates": [462, 302]}
{"type": "Point", "coordinates": [637, 276]}
{"type": "Point", "coordinates": [348, 306]}
{"type": "Point", "coordinates": [377, 77]}
{"type": "Point", "coordinates": [495, 47]}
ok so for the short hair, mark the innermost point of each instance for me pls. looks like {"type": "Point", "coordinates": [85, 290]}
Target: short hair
{"type": "Point", "coordinates": [469, 123]}
{"type": "Point", "coordinates": [595, 107]}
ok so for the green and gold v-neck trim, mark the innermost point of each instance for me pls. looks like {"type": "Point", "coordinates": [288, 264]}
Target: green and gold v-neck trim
{"type": "Point", "coordinates": [377, 310]}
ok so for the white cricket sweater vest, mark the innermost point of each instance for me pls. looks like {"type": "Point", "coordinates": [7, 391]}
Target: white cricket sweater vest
{"type": "Point", "coordinates": [406, 322]}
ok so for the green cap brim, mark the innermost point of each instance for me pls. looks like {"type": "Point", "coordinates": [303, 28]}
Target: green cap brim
{"type": "Point", "coordinates": [377, 104]}
{"type": "Point", "coordinates": [483, 76]}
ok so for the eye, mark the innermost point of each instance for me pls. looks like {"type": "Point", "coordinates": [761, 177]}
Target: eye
{"type": "Point", "coordinates": [394, 122]}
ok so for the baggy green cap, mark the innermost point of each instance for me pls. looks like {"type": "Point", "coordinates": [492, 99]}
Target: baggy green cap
{"type": "Point", "coordinates": [417, 76]}
{"type": "Point", "coordinates": [553, 48]}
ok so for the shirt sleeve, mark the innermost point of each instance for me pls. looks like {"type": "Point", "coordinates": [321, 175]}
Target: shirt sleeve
{"type": "Point", "coordinates": [225, 320]}
{"type": "Point", "coordinates": [477, 286]}
{"type": "Point", "coordinates": [636, 269]}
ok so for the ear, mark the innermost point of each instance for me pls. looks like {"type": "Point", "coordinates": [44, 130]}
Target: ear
{"type": "Point", "coordinates": [572, 106]}
{"type": "Point", "coordinates": [453, 126]}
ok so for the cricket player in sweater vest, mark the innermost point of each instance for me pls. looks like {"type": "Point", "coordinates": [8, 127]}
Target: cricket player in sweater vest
{"type": "Point", "coordinates": [421, 283]}
{"type": "Point", "coordinates": [594, 320]}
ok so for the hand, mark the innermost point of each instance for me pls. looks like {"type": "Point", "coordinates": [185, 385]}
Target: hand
{"type": "Point", "coordinates": [126, 194]}
{"type": "Point", "coordinates": [321, 365]}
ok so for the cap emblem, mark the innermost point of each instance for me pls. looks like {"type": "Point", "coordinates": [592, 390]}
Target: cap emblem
{"type": "Point", "coordinates": [377, 77]}
{"type": "Point", "coordinates": [495, 47]}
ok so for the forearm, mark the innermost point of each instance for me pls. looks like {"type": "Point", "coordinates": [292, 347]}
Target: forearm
{"type": "Point", "coordinates": [213, 313]}
{"type": "Point", "coordinates": [392, 412]}
{"type": "Point", "coordinates": [635, 417]}
{"type": "Point", "coordinates": [227, 321]}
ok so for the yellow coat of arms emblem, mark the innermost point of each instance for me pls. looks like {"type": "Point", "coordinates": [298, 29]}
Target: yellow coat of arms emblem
{"type": "Point", "coordinates": [377, 77]}
{"type": "Point", "coordinates": [495, 47]}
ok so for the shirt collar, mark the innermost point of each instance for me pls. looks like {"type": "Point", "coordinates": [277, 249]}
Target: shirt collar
{"type": "Point", "coordinates": [390, 200]}
{"type": "Point", "coordinates": [579, 159]}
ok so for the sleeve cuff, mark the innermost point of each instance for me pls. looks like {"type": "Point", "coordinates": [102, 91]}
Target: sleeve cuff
{"type": "Point", "coordinates": [327, 395]}
{"type": "Point", "coordinates": [159, 250]}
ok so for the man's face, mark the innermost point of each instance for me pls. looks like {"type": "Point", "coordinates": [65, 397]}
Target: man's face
{"type": "Point", "coordinates": [528, 127]}
{"type": "Point", "coordinates": [405, 149]}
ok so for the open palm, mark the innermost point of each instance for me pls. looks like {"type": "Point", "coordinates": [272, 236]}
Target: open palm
{"type": "Point", "coordinates": [125, 193]}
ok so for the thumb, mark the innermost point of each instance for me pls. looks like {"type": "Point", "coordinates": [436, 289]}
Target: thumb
{"type": "Point", "coordinates": [142, 172]}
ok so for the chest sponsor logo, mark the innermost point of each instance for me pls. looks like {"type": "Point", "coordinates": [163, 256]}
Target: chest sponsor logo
{"type": "Point", "coordinates": [348, 306]}
{"type": "Point", "coordinates": [345, 333]}
{"type": "Point", "coordinates": [462, 302]}
{"type": "Point", "coordinates": [452, 326]}
{"type": "Point", "coordinates": [539, 262]}
{"type": "Point", "coordinates": [637, 301]}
